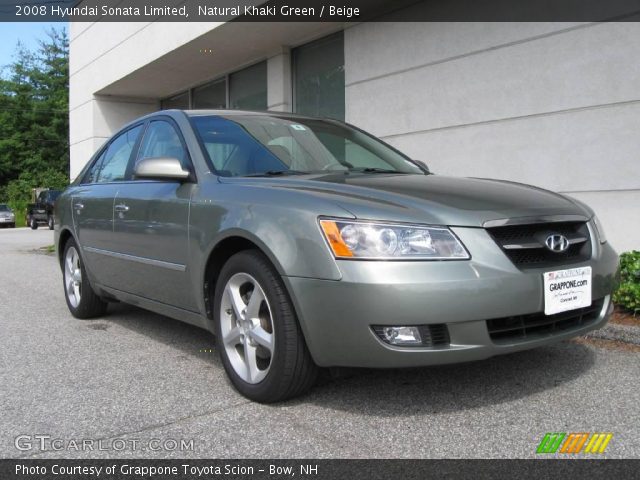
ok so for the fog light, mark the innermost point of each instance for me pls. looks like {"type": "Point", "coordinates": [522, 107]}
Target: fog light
{"type": "Point", "coordinates": [402, 335]}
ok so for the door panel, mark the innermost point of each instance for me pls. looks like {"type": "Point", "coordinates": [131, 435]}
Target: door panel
{"type": "Point", "coordinates": [151, 241]}
{"type": "Point", "coordinates": [92, 209]}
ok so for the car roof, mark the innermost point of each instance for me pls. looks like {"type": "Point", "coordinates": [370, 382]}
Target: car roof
{"type": "Point", "coordinates": [175, 113]}
{"type": "Point", "coordinates": [244, 113]}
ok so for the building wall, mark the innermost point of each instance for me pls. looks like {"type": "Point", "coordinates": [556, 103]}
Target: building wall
{"type": "Point", "coordinates": [551, 104]}
{"type": "Point", "coordinates": [102, 53]}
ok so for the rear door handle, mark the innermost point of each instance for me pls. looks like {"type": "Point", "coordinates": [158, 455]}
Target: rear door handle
{"type": "Point", "coordinates": [121, 208]}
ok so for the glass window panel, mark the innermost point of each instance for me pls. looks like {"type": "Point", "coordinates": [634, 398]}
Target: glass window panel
{"type": "Point", "coordinates": [211, 96]}
{"type": "Point", "coordinates": [180, 102]}
{"type": "Point", "coordinates": [232, 150]}
{"type": "Point", "coordinates": [92, 175]}
{"type": "Point", "coordinates": [254, 144]}
{"type": "Point", "coordinates": [319, 78]}
{"type": "Point", "coordinates": [112, 167]}
{"type": "Point", "coordinates": [162, 140]}
{"type": "Point", "coordinates": [248, 88]}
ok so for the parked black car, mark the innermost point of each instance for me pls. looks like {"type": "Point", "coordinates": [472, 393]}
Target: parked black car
{"type": "Point", "coordinates": [41, 212]}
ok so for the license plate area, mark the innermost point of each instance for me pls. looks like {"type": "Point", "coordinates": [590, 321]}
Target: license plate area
{"type": "Point", "coordinates": [567, 289]}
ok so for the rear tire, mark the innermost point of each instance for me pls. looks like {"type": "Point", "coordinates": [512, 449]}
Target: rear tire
{"type": "Point", "coordinates": [81, 299]}
{"type": "Point", "coordinates": [33, 223]}
{"type": "Point", "coordinates": [260, 343]}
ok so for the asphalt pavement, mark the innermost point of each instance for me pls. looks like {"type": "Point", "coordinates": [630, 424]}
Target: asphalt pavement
{"type": "Point", "coordinates": [137, 378]}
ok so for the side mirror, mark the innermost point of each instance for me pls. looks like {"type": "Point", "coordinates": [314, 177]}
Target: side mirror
{"type": "Point", "coordinates": [422, 164]}
{"type": "Point", "coordinates": [161, 168]}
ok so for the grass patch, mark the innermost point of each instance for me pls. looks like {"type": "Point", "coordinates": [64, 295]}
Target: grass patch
{"type": "Point", "coordinates": [49, 249]}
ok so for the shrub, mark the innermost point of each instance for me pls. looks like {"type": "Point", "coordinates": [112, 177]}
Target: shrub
{"type": "Point", "coordinates": [627, 294]}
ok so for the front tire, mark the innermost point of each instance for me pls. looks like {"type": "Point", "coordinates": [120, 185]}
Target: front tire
{"type": "Point", "coordinates": [50, 222]}
{"type": "Point", "coordinates": [33, 223]}
{"type": "Point", "coordinates": [81, 299]}
{"type": "Point", "coordinates": [257, 333]}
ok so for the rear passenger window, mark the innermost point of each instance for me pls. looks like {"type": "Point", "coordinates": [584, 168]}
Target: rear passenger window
{"type": "Point", "coordinates": [92, 174]}
{"type": "Point", "coordinates": [162, 140]}
{"type": "Point", "coordinates": [112, 164]}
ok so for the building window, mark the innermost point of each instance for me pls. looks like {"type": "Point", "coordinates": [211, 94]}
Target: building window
{"type": "Point", "coordinates": [180, 101]}
{"type": "Point", "coordinates": [211, 96]}
{"type": "Point", "coordinates": [318, 72]}
{"type": "Point", "coordinates": [242, 90]}
{"type": "Point", "coordinates": [248, 88]}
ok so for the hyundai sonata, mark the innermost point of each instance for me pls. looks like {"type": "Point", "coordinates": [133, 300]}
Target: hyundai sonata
{"type": "Point", "coordinates": [304, 243]}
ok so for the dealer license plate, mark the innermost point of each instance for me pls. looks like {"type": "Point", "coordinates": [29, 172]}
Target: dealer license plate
{"type": "Point", "coordinates": [567, 290]}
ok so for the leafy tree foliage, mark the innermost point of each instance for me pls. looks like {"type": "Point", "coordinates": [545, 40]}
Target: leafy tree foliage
{"type": "Point", "coordinates": [34, 119]}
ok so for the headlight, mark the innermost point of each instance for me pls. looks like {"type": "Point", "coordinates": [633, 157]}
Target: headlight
{"type": "Point", "coordinates": [599, 230]}
{"type": "Point", "coordinates": [366, 240]}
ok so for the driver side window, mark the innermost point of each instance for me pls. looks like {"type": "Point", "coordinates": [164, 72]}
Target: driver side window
{"type": "Point", "coordinates": [162, 140]}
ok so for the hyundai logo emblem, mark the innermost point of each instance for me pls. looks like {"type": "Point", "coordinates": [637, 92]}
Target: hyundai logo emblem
{"type": "Point", "coordinates": [557, 243]}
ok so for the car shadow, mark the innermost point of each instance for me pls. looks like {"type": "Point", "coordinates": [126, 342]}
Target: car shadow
{"type": "Point", "coordinates": [393, 392]}
{"type": "Point", "coordinates": [448, 388]}
{"type": "Point", "coordinates": [189, 340]}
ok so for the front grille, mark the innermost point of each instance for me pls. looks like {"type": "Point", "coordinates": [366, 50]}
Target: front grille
{"type": "Point", "coordinates": [529, 327]}
{"type": "Point", "coordinates": [525, 244]}
{"type": "Point", "coordinates": [435, 335]}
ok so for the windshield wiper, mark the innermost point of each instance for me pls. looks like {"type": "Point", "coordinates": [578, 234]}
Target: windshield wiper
{"type": "Point", "coordinates": [374, 170]}
{"type": "Point", "coordinates": [276, 173]}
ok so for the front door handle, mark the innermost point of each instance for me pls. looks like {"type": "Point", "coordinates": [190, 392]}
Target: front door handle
{"type": "Point", "coordinates": [121, 208]}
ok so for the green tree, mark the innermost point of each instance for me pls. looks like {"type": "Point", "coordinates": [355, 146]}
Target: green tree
{"type": "Point", "coordinates": [34, 122]}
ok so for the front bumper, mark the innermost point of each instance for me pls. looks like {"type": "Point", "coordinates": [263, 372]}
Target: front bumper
{"type": "Point", "coordinates": [336, 316]}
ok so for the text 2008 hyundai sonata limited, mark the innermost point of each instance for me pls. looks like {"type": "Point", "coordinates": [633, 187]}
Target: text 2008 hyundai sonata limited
{"type": "Point", "coordinates": [305, 243]}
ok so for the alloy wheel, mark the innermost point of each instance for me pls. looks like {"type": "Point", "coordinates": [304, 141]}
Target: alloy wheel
{"type": "Point", "coordinates": [73, 277]}
{"type": "Point", "coordinates": [247, 328]}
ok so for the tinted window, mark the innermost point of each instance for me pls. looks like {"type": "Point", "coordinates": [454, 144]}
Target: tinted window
{"type": "Point", "coordinates": [319, 83]}
{"type": "Point", "coordinates": [92, 174]}
{"type": "Point", "coordinates": [112, 164]}
{"type": "Point", "coordinates": [162, 140]}
{"type": "Point", "coordinates": [4, 208]}
{"type": "Point", "coordinates": [180, 101]}
{"type": "Point", "coordinates": [212, 95]}
{"type": "Point", "coordinates": [248, 88]}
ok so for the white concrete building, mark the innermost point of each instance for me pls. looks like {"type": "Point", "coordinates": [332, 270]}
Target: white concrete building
{"type": "Point", "coordinates": [551, 104]}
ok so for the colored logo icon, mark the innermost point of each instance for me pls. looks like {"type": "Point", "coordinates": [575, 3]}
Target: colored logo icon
{"type": "Point", "coordinates": [574, 443]}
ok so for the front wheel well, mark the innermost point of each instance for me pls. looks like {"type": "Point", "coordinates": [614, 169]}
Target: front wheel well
{"type": "Point", "coordinates": [222, 252]}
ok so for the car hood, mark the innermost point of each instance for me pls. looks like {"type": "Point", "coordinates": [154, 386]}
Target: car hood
{"type": "Point", "coordinates": [430, 198]}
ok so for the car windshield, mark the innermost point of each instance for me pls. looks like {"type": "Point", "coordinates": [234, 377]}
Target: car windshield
{"type": "Point", "coordinates": [254, 145]}
{"type": "Point", "coordinates": [4, 208]}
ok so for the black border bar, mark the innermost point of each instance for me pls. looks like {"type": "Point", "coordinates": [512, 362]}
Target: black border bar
{"type": "Point", "coordinates": [321, 469]}
{"type": "Point", "coordinates": [319, 10]}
